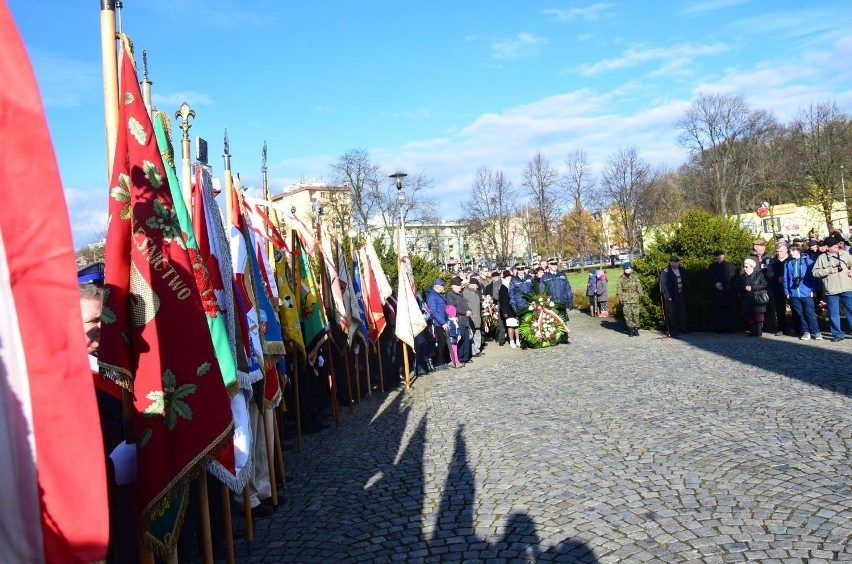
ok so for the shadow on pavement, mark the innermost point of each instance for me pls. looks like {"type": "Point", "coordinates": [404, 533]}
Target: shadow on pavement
{"type": "Point", "coordinates": [360, 495]}
{"type": "Point", "coordinates": [824, 365]}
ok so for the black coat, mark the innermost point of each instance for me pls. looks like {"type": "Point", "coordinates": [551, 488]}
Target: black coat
{"type": "Point", "coordinates": [505, 305]}
{"type": "Point", "coordinates": [722, 272]}
{"type": "Point", "coordinates": [757, 281]}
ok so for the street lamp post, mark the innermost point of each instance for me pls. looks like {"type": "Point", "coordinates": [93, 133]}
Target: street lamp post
{"type": "Point", "coordinates": [400, 198]}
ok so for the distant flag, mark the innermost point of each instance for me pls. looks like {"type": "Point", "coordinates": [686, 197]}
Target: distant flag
{"type": "Point", "coordinates": [233, 465]}
{"type": "Point", "coordinates": [360, 297]}
{"type": "Point", "coordinates": [288, 304]}
{"type": "Point", "coordinates": [263, 224]}
{"type": "Point", "coordinates": [409, 318]}
{"type": "Point", "coordinates": [52, 474]}
{"type": "Point", "coordinates": [313, 318]}
{"type": "Point", "coordinates": [385, 289]}
{"type": "Point", "coordinates": [350, 300]}
{"type": "Point", "coordinates": [337, 305]}
{"type": "Point", "coordinates": [306, 233]}
{"type": "Point", "coordinates": [270, 330]}
{"type": "Point", "coordinates": [372, 299]}
{"type": "Point", "coordinates": [248, 316]}
{"type": "Point", "coordinates": [154, 336]}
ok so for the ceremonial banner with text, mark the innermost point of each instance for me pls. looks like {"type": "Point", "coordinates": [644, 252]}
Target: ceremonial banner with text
{"type": "Point", "coordinates": [154, 335]}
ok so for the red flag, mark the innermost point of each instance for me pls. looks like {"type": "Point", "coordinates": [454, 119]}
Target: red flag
{"type": "Point", "coordinates": [52, 475]}
{"type": "Point", "coordinates": [372, 299]}
{"type": "Point", "coordinates": [154, 337]}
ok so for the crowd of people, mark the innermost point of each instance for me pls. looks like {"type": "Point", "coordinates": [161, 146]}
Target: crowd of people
{"type": "Point", "coordinates": [806, 275]}
{"type": "Point", "coordinates": [464, 314]}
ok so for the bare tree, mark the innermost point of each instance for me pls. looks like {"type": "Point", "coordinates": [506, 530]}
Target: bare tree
{"type": "Point", "coordinates": [355, 170]}
{"type": "Point", "coordinates": [664, 201]}
{"type": "Point", "coordinates": [719, 131]}
{"type": "Point", "coordinates": [541, 181]}
{"type": "Point", "coordinates": [489, 209]}
{"type": "Point", "coordinates": [625, 178]}
{"type": "Point", "coordinates": [824, 135]}
{"type": "Point", "coordinates": [417, 208]}
{"type": "Point", "coordinates": [580, 186]}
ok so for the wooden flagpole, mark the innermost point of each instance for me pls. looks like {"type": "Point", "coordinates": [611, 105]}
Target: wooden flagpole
{"type": "Point", "coordinates": [184, 113]}
{"type": "Point", "coordinates": [356, 353]}
{"type": "Point", "coordinates": [109, 65]}
{"type": "Point", "coordinates": [404, 346]}
{"type": "Point", "coordinates": [325, 294]}
{"type": "Point", "coordinates": [229, 185]}
{"type": "Point", "coordinates": [270, 252]}
{"type": "Point", "coordinates": [297, 295]}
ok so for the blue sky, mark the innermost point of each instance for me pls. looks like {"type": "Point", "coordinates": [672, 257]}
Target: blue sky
{"type": "Point", "coordinates": [439, 87]}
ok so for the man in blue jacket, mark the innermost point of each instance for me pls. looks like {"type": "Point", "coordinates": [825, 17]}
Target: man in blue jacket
{"type": "Point", "coordinates": [438, 307]}
{"type": "Point", "coordinates": [519, 286]}
{"type": "Point", "coordinates": [558, 285]}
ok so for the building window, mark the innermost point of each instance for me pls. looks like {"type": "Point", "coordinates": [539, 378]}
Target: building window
{"type": "Point", "coordinates": [768, 223]}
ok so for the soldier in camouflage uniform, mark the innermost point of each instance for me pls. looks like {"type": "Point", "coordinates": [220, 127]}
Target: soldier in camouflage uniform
{"type": "Point", "coordinates": [629, 291]}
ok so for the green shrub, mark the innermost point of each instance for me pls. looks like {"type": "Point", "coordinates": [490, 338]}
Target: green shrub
{"type": "Point", "coordinates": [693, 240]}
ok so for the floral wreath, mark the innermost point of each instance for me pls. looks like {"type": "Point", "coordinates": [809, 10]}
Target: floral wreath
{"type": "Point", "coordinates": [490, 313]}
{"type": "Point", "coordinates": [542, 324]}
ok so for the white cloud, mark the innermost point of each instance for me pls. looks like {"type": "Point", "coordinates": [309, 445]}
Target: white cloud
{"type": "Point", "coordinates": [591, 12]}
{"type": "Point", "coordinates": [64, 82]}
{"type": "Point", "coordinates": [674, 56]}
{"type": "Point", "coordinates": [87, 210]}
{"type": "Point", "coordinates": [710, 6]}
{"type": "Point", "coordinates": [522, 46]}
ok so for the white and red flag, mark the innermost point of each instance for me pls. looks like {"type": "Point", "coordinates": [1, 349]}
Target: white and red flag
{"type": "Point", "coordinates": [52, 476]}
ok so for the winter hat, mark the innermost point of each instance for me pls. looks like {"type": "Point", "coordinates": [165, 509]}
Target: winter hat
{"type": "Point", "coordinates": [751, 262]}
{"type": "Point", "coordinates": [451, 311]}
{"type": "Point", "coordinates": [456, 281]}
{"type": "Point", "coordinates": [626, 265]}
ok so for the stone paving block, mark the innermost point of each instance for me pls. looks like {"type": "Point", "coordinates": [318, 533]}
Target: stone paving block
{"type": "Point", "coordinates": [724, 460]}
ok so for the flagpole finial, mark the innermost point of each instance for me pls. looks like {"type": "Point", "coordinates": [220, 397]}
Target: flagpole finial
{"type": "Point", "coordinates": [184, 113]}
{"type": "Point", "coordinates": [145, 64]}
{"type": "Point", "coordinates": [263, 168]}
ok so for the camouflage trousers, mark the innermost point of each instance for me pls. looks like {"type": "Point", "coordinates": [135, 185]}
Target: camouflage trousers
{"type": "Point", "coordinates": [631, 314]}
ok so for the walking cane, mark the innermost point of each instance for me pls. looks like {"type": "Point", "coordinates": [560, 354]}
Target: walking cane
{"type": "Point", "coordinates": [668, 334]}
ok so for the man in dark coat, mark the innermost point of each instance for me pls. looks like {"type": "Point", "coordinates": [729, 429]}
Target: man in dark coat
{"type": "Point", "coordinates": [720, 274]}
{"type": "Point", "coordinates": [673, 286]}
{"type": "Point", "coordinates": [455, 298]}
{"type": "Point", "coordinates": [493, 290]}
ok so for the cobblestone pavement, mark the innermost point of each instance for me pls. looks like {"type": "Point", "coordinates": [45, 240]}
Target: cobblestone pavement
{"type": "Point", "coordinates": [610, 449]}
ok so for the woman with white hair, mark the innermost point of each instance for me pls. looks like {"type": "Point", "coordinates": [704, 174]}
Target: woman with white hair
{"type": "Point", "coordinates": [753, 296]}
